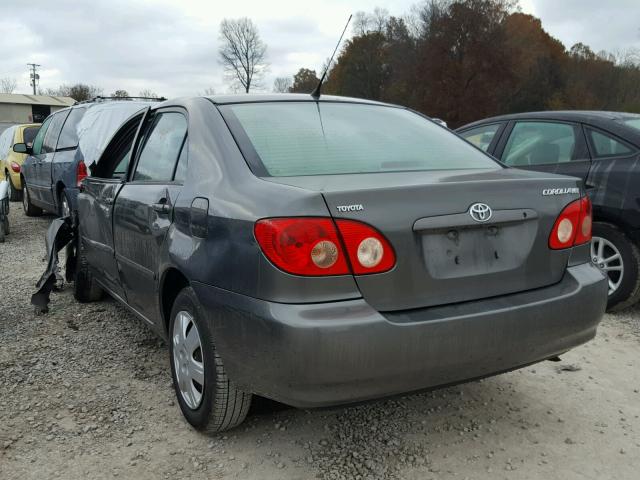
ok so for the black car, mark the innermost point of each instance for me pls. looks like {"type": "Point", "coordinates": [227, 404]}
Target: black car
{"type": "Point", "coordinates": [323, 252]}
{"type": "Point", "coordinates": [600, 148]}
{"type": "Point", "coordinates": [68, 142]}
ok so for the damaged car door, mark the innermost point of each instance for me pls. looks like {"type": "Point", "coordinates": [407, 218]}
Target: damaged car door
{"type": "Point", "coordinates": [143, 210]}
{"type": "Point", "coordinates": [96, 202]}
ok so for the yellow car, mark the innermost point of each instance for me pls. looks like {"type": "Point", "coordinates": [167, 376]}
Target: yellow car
{"type": "Point", "coordinates": [10, 161]}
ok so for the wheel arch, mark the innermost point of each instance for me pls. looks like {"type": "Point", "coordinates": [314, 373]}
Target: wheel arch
{"type": "Point", "coordinates": [171, 283]}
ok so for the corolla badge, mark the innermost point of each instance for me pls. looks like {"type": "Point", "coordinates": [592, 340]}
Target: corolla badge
{"type": "Point", "coordinates": [480, 212]}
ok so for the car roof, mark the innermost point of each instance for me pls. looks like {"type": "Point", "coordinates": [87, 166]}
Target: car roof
{"type": "Point", "coordinates": [286, 97]}
{"type": "Point", "coordinates": [609, 121]}
{"type": "Point", "coordinates": [586, 116]}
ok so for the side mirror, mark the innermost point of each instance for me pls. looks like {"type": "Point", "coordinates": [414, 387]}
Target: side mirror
{"type": "Point", "coordinates": [22, 148]}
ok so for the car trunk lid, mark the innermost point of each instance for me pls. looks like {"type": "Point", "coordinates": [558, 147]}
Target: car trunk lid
{"type": "Point", "coordinates": [444, 255]}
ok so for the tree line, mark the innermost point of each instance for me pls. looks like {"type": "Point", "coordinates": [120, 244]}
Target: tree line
{"type": "Point", "coordinates": [462, 60]}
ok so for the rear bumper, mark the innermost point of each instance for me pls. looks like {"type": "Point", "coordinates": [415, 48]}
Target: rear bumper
{"type": "Point", "coordinates": [316, 355]}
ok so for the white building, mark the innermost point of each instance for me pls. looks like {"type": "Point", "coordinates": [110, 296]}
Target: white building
{"type": "Point", "coordinates": [20, 108]}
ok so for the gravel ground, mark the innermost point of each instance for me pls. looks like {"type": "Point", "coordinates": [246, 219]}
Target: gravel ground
{"type": "Point", "coordinates": [85, 392]}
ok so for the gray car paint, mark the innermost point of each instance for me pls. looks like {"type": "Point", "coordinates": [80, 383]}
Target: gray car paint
{"type": "Point", "coordinates": [227, 268]}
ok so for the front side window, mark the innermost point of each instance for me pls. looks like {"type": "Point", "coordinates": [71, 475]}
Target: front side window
{"type": "Point", "coordinates": [320, 138]}
{"type": "Point", "coordinates": [69, 134]}
{"type": "Point", "coordinates": [53, 132]}
{"type": "Point", "coordinates": [481, 136]}
{"type": "Point", "coordinates": [607, 146]}
{"type": "Point", "coordinates": [39, 139]}
{"type": "Point", "coordinates": [28, 134]}
{"type": "Point", "coordinates": [540, 143]}
{"type": "Point", "coordinates": [161, 148]}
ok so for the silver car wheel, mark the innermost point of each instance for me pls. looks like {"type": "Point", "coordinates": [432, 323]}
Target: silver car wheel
{"type": "Point", "coordinates": [25, 197]}
{"type": "Point", "coordinates": [607, 258]}
{"type": "Point", "coordinates": [64, 206]}
{"type": "Point", "coordinates": [188, 360]}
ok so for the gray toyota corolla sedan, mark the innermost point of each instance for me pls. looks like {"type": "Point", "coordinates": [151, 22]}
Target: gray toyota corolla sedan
{"type": "Point", "coordinates": [323, 252]}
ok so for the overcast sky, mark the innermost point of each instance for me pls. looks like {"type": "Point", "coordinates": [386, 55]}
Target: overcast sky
{"type": "Point", "coordinates": [171, 47]}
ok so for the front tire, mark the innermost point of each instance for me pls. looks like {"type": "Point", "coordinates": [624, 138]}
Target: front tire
{"type": "Point", "coordinates": [30, 210]}
{"type": "Point", "coordinates": [619, 259]}
{"type": "Point", "coordinates": [14, 195]}
{"type": "Point", "coordinates": [208, 399]}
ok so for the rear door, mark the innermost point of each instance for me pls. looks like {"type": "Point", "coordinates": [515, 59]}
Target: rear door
{"type": "Point", "coordinates": [43, 189]}
{"type": "Point", "coordinates": [143, 209]}
{"type": "Point", "coordinates": [30, 166]}
{"type": "Point", "coordinates": [96, 201]}
{"type": "Point", "coordinates": [546, 146]}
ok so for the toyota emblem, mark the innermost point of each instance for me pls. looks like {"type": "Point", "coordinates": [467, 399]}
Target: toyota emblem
{"type": "Point", "coordinates": [480, 212]}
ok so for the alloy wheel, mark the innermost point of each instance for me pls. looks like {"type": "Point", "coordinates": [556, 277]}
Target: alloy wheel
{"type": "Point", "coordinates": [65, 210]}
{"type": "Point", "coordinates": [25, 198]}
{"type": "Point", "coordinates": [607, 258]}
{"type": "Point", "coordinates": [10, 191]}
{"type": "Point", "coordinates": [188, 360]}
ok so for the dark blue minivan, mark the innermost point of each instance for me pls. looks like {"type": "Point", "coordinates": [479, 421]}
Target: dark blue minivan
{"type": "Point", "coordinates": [68, 142]}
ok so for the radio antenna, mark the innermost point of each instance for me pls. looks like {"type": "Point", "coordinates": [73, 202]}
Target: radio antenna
{"type": "Point", "coordinates": [316, 92]}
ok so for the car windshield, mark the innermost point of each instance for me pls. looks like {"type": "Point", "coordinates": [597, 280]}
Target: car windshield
{"type": "Point", "coordinates": [633, 122]}
{"type": "Point", "coordinates": [29, 134]}
{"type": "Point", "coordinates": [309, 138]}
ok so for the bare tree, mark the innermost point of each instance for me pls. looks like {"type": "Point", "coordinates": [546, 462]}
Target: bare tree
{"type": "Point", "coordinates": [282, 84]}
{"type": "Point", "coordinates": [243, 53]}
{"type": "Point", "coordinates": [209, 91]}
{"type": "Point", "coordinates": [8, 85]}
{"type": "Point", "coordinates": [146, 93]}
{"type": "Point", "coordinates": [120, 94]}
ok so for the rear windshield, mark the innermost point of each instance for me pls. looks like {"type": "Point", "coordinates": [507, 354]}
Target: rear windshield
{"type": "Point", "coordinates": [29, 134]}
{"type": "Point", "coordinates": [308, 138]}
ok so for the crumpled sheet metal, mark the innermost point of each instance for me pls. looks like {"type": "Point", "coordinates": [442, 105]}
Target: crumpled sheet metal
{"type": "Point", "coordinates": [60, 234]}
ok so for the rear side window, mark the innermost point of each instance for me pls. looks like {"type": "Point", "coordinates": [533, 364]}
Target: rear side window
{"type": "Point", "coordinates": [6, 141]}
{"type": "Point", "coordinates": [69, 134]}
{"type": "Point", "coordinates": [607, 146]}
{"type": "Point", "coordinates": [28, 134]}
{"type": "Point", "coordinates": [161, 148]}
{"type": "Point", "coordinates": [39, 139]}
{"type": "Point", "coordinates": [318, 138]}
{"type": "Point", "coordinates": [481, 136]}
{"type": "Point", "coordinates": [53, 132]}
{"type": "Point", "coordinates": [540, 143]}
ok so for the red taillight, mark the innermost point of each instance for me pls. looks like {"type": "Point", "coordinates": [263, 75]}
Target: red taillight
{"type": "Point", "coordinates": [573, 226]}
{"type": "Point", "coordinates": [81, 172]}
{"type": "Point", "coordinates": [369, 251]}
{"type": "Point", "coordinates": [312, 246]}
{"type": "Point", "coordinates": [15, 167]}
{"type": "Point", "coordinates": [302, 246]}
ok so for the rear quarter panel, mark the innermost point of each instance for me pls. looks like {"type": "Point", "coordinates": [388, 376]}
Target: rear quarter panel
{"type": "Point", "coordinates": [229, 256]}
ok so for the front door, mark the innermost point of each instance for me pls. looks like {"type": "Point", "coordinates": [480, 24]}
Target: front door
{"type": "Point", "coordinates": [547, 146]}
{"type": "Point", "coordinates": [30, 167]}
{"type": "Point", "coordinates": [96, 201]}
{"type": "Point", "coordinates": [44, 190]}
{"type": "Point", "coordinates": [143, 209]}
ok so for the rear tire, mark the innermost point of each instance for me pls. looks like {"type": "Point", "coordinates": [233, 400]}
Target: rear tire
{"type": "Point", "coordinates": [14, 195]}
{"type": "Point", "coordinates": [217, 404]}
{"type": "Point", "coordinates": [624, 274]}
{"type": "Point", "coordinates": [30, 210]}
{"type": "Point", "coordinates": [85, 288]}
{"type": "Point", "coordinates": [64, 205]}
